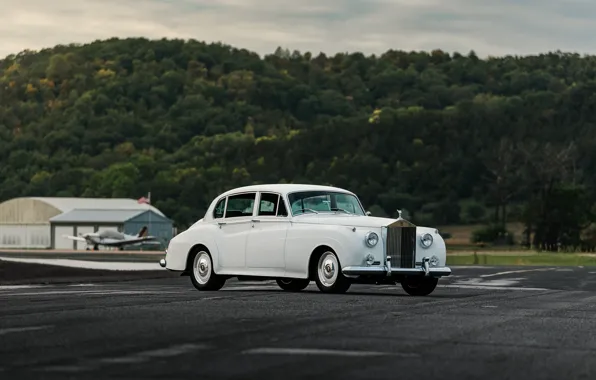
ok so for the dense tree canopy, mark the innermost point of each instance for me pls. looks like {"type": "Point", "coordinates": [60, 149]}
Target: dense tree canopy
{"type": "Point", "coordinates": [451, 138]}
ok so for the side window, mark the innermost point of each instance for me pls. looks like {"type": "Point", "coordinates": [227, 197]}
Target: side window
{"type": "Point", "coordinates": [268, 204]}
{"type": "Point", "coordinates": [282, 210]}
{"type": "Point", "coordinates": [240, 205]}
{"type": "Point", "coordinates": [218, 211]}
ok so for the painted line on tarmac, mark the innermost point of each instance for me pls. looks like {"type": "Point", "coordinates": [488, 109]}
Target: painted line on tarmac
{"type": "Point", "coordinates": [98, 265]}
{"type": "Point", "coordinates": [66, 368]}
{"type": "Point", "coordinates": [518, 271]}
{"type": "Point", "coordinates": [491, 287]}
{"type": "Point", "coordinates": [85, 292]}
{"type": "Point", "coordinates": [134, 358]}
{"type": "Point", "coordinates": [23, 329]}
{"type": "Point", "coordinates": [318, 351]}
{"type": "Point", "coordinates": [144, 356]}
{"type": "Point", "coordinates": [16, 287]}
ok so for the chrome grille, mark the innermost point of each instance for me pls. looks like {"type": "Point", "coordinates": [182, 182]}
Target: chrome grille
{"type": "Point", "coordinates": [401, 246]}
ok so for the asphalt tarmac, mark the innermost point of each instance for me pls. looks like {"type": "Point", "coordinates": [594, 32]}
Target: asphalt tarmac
{"type": "Point", "coordinates": [483, 322]}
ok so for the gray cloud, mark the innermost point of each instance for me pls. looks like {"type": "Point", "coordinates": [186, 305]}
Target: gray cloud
{"type": "Point", "coordinates": [370, 26]}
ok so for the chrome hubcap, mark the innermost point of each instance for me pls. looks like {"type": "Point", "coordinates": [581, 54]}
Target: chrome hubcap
{"type": "Point", "coordinates": [202, 267]}
{"type": "Point", "coordinates": [328, 269]}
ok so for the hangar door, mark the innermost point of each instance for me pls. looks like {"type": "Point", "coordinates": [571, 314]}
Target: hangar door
{"type": "Point", "coordinates": [60, 242]}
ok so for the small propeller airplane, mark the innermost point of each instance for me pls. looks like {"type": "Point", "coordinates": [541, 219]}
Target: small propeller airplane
{"type": "Point", "coordinates": [112, 238]}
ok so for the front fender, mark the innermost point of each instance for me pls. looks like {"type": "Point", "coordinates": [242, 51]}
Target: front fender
{"type": "Point", "coordinates": [180, 246]}
{"type": "Point", "coordinates": [437, 249]}
{"type": "Point", "coordinates": [347, 243]}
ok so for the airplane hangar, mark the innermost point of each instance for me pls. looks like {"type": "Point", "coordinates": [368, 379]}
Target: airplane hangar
{"type": "Point", "coordinates": [41, 222]}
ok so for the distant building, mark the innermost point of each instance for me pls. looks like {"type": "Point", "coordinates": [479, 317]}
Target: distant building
{"type": "Point", "coordinates": [36, 222]}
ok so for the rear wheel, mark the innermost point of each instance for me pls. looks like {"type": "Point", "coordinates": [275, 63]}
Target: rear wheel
{"type": "Point", "coordinates": [292, 284]}
{"type": "Point", "coordinates": [329, 278]}
{"type": "Point", "coordinates": [202, 275]}
{"type": "Point", "coordinates": [419, 285]}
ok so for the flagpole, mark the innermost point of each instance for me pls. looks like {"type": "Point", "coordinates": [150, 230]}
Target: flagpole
{"type": "Point", "coordinates": [150, 211]}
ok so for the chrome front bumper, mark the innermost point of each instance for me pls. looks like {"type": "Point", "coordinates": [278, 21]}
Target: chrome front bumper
{"type": "Point", "coordinates": [386, 270]}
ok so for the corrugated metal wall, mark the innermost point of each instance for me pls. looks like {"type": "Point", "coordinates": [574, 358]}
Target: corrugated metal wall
{"type": "Point", "coordinates": [26, 211]}
{"type": "Point", "coordinates": [25, 236]}
{"type": "Point", "coordinates": [24, 223]}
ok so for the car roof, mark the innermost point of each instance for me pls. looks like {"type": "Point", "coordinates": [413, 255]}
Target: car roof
{"type": "Point", "coordinates": [285, 188]}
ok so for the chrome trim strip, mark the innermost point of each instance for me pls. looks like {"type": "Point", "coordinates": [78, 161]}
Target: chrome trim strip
{"type": "Point", "coordinates": [382, 270]}
{"type": "Point", "coordinates": [386, 258]}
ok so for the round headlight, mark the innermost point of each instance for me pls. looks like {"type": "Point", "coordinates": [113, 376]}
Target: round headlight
{"type": "Point", "coordinates": [426, 240]}
{"type": "Point", "coordinates": [371, 239]}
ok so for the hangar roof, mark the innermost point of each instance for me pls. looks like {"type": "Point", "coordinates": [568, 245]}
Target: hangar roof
{"type": "Point", "coordinates": [96, 216]}
{"type": "Point", "coordinates": [66, 204]}
{"type": "Point", "coordinates": [39, 210]}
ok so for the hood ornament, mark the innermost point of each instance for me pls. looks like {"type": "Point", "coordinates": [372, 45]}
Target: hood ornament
{"type": "Point", "coordinates": [401, 222]}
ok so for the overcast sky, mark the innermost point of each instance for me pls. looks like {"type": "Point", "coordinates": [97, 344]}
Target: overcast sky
{"type": "Point", "coordinates": [488, 27]}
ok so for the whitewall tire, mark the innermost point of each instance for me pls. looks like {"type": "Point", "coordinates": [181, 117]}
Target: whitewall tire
{"type": "Point", "coordinates": [201, 272]}
{"type": "Point", "coordinates": [328, 274]}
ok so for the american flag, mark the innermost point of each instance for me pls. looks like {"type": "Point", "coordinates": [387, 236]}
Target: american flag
{"type": "Point", "coordinates": [144, 200]}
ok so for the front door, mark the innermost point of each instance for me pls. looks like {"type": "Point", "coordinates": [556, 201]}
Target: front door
{"type": "Point", "coordinates": [265, 246]}
{"type": "Point", "coordinates": [233, 230]}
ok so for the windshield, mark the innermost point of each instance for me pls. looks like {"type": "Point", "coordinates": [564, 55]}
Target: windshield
{"type": "Point", "coordinates": [324, 201]}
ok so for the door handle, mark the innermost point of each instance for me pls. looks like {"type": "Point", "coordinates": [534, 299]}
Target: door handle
{"type": "Point", "coordinates": [255, 220]}
{"type": "Point", "coordinates": [221, 224]}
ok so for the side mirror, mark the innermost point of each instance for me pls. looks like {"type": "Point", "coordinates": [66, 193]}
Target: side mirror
{"type": "Point", "coordinates": [368, 213]}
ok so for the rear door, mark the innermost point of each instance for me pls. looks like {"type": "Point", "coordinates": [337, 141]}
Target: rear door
{"type": "Point", "coordinates": [265, 246]}
{"type": "Point", "coordinates": [233, 230]}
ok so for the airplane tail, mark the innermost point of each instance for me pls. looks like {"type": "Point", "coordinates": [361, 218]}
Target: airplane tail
{"type": "Point", "coordinates": [142, 232]}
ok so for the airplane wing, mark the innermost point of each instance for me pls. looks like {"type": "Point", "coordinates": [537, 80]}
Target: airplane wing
{"type": "Point", "coordinates": [149, 242]}
{"type": "Point", "coordinates": [146, 239]}
{"type": "Point", "coordinates": [77, 238]}
{"type": "Point", "coordinates": [119, 243]}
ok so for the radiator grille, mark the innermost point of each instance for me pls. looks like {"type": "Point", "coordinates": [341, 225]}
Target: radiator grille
{"type": "Point", "coordinates": [401, 246]}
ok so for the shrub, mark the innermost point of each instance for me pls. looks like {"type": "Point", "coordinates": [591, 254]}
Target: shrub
{"type": "Point", "coordinates": [493, 234]}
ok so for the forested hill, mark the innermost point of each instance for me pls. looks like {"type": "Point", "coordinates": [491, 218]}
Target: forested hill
{"type": "Point", "coordinates": [446, 136]}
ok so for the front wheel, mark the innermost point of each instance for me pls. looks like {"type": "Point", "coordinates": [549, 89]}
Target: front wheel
{"type": "Point", "coordinates": [202, 275]}
{"type": "Point", "coordinates": [292, 284]}
{"type": "Point", "coordinates": [329, 278]}
{"type": "Point", "coordinates": [419, 286]}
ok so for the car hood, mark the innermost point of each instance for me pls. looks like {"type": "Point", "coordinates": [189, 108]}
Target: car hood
{"type": "Point", "coordinates": [349, 220]}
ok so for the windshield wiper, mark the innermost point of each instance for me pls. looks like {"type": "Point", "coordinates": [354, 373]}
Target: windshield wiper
{"type": "Point", "coordinates": [340, 209]}
{"type": "Point", "coordinates": [307, 209]}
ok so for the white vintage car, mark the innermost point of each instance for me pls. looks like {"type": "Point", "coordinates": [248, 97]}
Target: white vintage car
{"type": "Point", "coordinates": [298, 233]}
